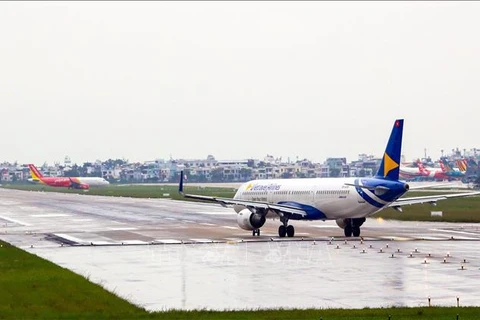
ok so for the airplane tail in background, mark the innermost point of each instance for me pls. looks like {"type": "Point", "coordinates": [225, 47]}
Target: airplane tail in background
{"type": "Point", "coordinates": [36, 175]}
{"type": "Point", "coordinates": [390, 166]}
{"type": "Point", "coordinates": [421, 167]}
{"type": "Point", "coordinates": [445, 166]}
{"type": "Point", "coordinates": [462, 165]}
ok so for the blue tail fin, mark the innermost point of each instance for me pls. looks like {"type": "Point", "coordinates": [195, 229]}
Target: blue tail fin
{"type": "Point", "coordinates": [390, 167]}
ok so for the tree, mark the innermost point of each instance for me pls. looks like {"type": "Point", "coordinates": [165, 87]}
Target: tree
{"type": "Point", "coordinates": [361, 173]}
{"type": "Point", "coordinates": [245, 174]}
{"type": "Point", "coordinates": [72, 172]}
{"type": "Point", "coordinates": [286, 175]}
{"type": "Point", "coordinates": [217, 175]}
{"type": "Point", "coordinates": [301, 175]}
{"type": "Point", "coordinates": [334, 172]}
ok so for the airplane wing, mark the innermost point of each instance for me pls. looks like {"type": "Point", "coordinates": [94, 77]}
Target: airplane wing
{"type": "Point", "coordinates": [251, 204]}
{"type": "Point", "coordinates": [277, 208]}
{"type": "Point", "coordinates": [428, 199]}
{"type": "Point", "coordinates": [428, 186]}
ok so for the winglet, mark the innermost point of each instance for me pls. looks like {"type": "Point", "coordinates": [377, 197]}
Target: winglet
{"type": "Point", "coordinates": [390, 166]}
{"type": "Point", "coordinates": [180, 185]}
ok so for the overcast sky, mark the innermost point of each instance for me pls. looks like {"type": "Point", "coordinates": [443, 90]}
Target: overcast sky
{"type": "Point", "coordinates": [99, 80]}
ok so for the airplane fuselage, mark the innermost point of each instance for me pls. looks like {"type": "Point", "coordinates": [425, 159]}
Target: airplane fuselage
{"type": "Point", "coordinates": [67, 181]}
{"type": "Point", "coordinates": [323, 198]}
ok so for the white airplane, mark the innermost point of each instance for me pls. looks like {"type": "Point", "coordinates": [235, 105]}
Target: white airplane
{"type": "Point", "coordinates": [348, 201]}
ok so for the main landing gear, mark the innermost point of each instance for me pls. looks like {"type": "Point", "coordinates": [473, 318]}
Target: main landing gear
{"type": "Point", "coordinates": [285, 229]}
{"type": "Point", "coordinates": [352, 227]}
{"type": "Point", "coordinates": [256, 232]}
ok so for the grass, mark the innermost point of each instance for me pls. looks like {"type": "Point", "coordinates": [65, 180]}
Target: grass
{"type": "Point", "coordinates": [454, 210]}
{"type": "Point", "coordinates": [134, 191]}
{"type": "Point", "coordinates": [34, 288]}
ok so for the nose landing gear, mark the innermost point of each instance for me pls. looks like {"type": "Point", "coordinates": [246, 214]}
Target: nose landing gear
{"type": "Point", "coordinates": [352, 227]}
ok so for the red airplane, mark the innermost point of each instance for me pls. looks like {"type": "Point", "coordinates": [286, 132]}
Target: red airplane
{"type": "Point", "coordinates": [82, 183]}
{"type": "Point", "coordinates": [434, 173]}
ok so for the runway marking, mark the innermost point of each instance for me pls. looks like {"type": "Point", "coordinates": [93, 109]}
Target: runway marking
{"type": "Point", "coordinates": [188, 221]}
{"type": "Point", "coordinates": [171, 219]}
{"type": "Point", "coordinates": [432, 238]}
{"type": "Point", "coordinates": [229, 227]}
{"type": "Point", "coordinates": [103, 243]}
{"type": "Point", "coordinates": [28, 208]}
{"type": "Point", "coordinates": [49, 215]}
{"type": "Point", "coordinates": [168, 241]}
{"type": "Point", "coordinates": [121, 229]}
{"type": "Point", "coordinates": [15, 221]}
{"type": "Point", "coordinates": [394, 238]}
{"type": "Point", "coordinates": [201, 240]}
{"type": "Point", "coordinates": [71, 238]}
{"type": "Point", "coordinates": [81, 220]}
{"type": "Point", "coordinates": [133, 242]}
{"type": "Point", "coordinates": [454, 231]}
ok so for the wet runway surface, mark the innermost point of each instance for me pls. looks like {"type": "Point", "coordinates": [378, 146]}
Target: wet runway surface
{"type": "Point", "coordinates": [164, 254]}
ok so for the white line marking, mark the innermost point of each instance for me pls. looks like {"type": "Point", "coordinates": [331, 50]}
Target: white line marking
{"type": "Point", "coordinates": [121, 229]}
{"type": "Point", "coordinates": [202, 240]}
{"type": "Point", "coordinates": [229, 227]}
{"type": "Point", "coordinates": [49, 215]}
{"type": "Point", "coordinates": [15, 221]}
{"type": "Point", "coordinates": [71, 238]}
{"type": "Point", "coordinates": [208, 224]}
{"type": "Point", "coordinates": [168, 241]}
{"type": "Point", "coordinates": [453, 231]}
{"type": "Point", "coordinates": [133, 242]}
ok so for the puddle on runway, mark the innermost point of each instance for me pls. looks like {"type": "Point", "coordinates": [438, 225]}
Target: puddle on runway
{"type": "Point", "coordinates": [281, 274]}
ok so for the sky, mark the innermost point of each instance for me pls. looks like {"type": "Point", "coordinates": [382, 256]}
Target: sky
{"type": "Point", "coordinates": [237, 80]}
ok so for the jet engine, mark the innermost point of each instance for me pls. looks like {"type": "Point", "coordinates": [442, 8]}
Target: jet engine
{"type": "Point", "coordinates": [341, 223]}
{"type": "Point", "coordinates": [75, 184]}
{"type": "Point", "coordinates": [248, 220]}
{"type": "Point", "coordinates": [81, 186]}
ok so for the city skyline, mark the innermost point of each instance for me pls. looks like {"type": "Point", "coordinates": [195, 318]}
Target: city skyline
{"type": "Point", "coordinates": [311, 79]}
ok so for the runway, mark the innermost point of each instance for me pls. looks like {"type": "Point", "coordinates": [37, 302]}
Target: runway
{"type": "Point", "coordinates": [165, 254]}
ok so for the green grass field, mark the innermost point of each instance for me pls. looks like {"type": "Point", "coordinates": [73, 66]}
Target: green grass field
{"type": "Point", "coordinates": [454, 210]}
{"type": "Point", "coordinates": [34, 288]}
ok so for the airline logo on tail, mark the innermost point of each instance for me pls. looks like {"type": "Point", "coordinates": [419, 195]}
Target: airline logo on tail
{"type": "Point", "coordinates": [390, 166]}
{"type": "Point", "coordinates": [446, 165]}
{"type": "Point", "coordinates": [36, 175]}
{"type": "Point", "coordinates": [462, 165]}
